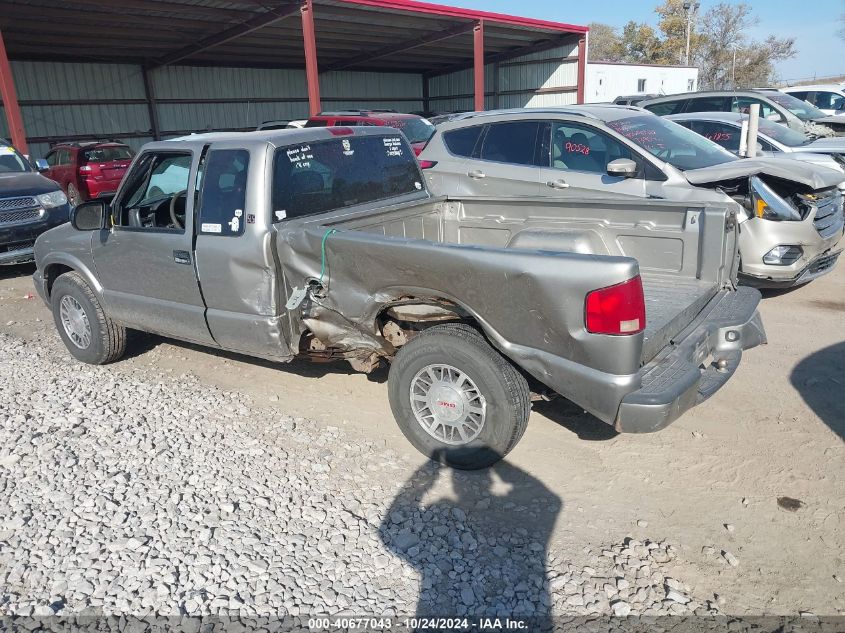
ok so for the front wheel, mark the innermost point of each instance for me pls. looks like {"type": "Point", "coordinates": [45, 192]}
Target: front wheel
{"type": "Point", "coordinates": [88, 333]}
{"type": "Point", "coordinates": [456, 399]}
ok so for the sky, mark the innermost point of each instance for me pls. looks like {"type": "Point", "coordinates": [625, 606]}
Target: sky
{"type": "Point", "coordinates": [821, 52]}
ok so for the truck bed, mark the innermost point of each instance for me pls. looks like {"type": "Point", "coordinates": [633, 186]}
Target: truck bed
{"type": "Point", "coordinates": [671, 302]}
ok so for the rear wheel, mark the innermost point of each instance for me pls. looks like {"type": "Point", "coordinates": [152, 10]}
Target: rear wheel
{"type": "Point", "coordinates": [456, 399]}
{"type": "Point", "coordinates": [73, 195]}
{"type": "Point", "coordinates": [83, 326]}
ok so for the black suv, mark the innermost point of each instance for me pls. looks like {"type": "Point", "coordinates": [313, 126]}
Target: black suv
{"type": "Point", "coordinates": [29, 205]}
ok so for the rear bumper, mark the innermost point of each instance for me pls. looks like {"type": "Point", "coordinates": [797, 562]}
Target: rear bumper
{"type": "Point", "coordinates": [700, 360]}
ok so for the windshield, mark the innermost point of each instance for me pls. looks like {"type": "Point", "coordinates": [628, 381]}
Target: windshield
{"type": "Point", "coordinates": [782, 134]}
{"type": "Point", "coordinates": [416, 130]}
{"type": "Point", "coordinates": [801, 109]}
{"type": "Point", "coordinates": [11, 162]}
{"type": "Point", "coordinates": [670, 142]}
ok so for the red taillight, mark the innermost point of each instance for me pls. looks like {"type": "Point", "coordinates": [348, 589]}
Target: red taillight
{"type": "Point", "coordinates": [618, 309]}
{"type": "Point", "coordinates": [341, 131]}
{"type": "Point", "coordinates": [427, 164]}
{"type": "Point", "coordinates": [86, 169]}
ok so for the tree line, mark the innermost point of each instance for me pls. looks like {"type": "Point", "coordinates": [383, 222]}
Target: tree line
{"type": "Point", "coordinates": [718, 44]}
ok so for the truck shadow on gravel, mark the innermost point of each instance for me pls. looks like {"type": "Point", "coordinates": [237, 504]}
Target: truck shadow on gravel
{"type": "Point", "coordinates": [141, 343]}
{"type": "Point", "coordinates": [481, 552]}
{"type": "Point", "coordinates": [820, 379]}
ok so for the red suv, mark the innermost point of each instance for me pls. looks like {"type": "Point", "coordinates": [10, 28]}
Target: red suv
{"type": "Point", "coordinates": [415, 128]}
{"type": "Point", "coordinates": [88, 170]}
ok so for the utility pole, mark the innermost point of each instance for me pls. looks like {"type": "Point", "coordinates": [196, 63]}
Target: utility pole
{"type": "Point", "coordinates": [691, 8]}
{"type": "Point", "coordinates": [733, 71]}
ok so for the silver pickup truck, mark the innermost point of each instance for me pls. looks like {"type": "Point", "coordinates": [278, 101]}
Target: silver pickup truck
{"type": "Point", "coordinates": [325, 242]}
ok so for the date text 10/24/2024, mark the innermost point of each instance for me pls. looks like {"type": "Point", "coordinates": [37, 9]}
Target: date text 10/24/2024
{"type": "Point", "coordinates": [417, 624]}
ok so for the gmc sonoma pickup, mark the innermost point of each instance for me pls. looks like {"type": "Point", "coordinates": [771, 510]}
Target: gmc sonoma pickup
{"type": "Point", "coordinates": [326, 243]}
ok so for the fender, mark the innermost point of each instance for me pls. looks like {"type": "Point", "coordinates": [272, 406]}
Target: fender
{"type": "Point", "coordinates": [64, 259]}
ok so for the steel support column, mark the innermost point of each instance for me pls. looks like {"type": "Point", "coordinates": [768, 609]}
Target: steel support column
{"type": "Point", "coordinates": [312, 77]}
{"type": "Point", "coordinates": [478, 65]}
{"type": "Point", "coordinates": [10, 101]}
{"type": "Point", "coordinates": [582, 69]}
{"type": "Point", "coordinates": [152, 107]}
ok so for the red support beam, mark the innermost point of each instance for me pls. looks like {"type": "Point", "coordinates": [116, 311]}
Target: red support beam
{"type": "Point", "coordinates": [582, 69]}
{"type": "Point", "coordinates": [478, 64]}
{"type": "Point", "coordinates": [312, 76]}
{"type": "Point", "coordinates": [10, 101]}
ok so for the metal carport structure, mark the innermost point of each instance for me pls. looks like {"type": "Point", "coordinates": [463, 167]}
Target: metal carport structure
{"type": "Point", "coordinates": [323, 36]}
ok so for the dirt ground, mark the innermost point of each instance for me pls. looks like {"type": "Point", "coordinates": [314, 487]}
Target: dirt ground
{"type": "Point", "coordinates": [712, 479]}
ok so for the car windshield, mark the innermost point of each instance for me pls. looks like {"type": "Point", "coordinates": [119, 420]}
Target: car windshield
{"type": "Point", "coordinates": [782, 134]}
{"type": "Point", "coordinates": [801, 109]}
{"type": "Point", "coordinates": [11, 161]}
{"type": "Point", "coordinates": [415, 130]}
{"type": "Point", "coordinates": [106, 154]}
{"type": "Point", "coordinates": [671, 142]}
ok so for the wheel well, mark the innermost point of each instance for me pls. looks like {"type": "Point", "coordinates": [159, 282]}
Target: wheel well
{"type": "Point", "coordinates": [401, 320]}
{"type": "Point", "coordinates": [53, 272]}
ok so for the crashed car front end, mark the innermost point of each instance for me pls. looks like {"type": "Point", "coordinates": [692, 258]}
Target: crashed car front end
{"type": "Point", "coordinates": [788, 241]}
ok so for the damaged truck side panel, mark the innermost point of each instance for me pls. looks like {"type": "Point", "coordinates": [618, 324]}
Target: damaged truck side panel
{"type": "Point", "coordinates": [326, 244]}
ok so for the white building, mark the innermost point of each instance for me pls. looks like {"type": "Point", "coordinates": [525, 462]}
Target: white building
{"type": "Point", "coordinates": [607, 80]}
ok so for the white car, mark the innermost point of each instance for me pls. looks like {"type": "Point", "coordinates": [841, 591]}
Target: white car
{"type": "Point", "coordinates": [773, 139]}
{"type": "Point", "coordinates": [829, 98]}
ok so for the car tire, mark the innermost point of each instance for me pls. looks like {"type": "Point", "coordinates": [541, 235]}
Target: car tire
{"type": "Point", "coordinates": [85, 329]}
{"type": "Point", "coordinates": [73, 195]}
{"type": "Point", "coordinates": [476, 405]}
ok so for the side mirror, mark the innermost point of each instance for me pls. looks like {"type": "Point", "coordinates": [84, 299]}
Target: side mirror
{"type": "Point", "coordinates": [41, 164]}
{"type": "Point", "coordinates": [622, 168]}
{"type": "Point", "coordinates": [89, 216]}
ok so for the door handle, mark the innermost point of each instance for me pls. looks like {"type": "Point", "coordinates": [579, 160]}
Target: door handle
{"type": "Point", "coordinates": [477, 174]}
{"type": "Point", "coordinates": [558, 184]}
{"type": "Point", "coordinates": [182, 257]}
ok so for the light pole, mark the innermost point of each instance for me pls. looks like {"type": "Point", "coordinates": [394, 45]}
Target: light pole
{"type": "Point", "coordinates": [733, 71]}
{"type": "Point", "coordinates": [690, 8]}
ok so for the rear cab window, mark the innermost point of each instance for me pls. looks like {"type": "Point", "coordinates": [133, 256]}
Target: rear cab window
{"type": "Point", "coordinates": [331, 174]}
{"type": "Point", "coordinates": [709, 104]}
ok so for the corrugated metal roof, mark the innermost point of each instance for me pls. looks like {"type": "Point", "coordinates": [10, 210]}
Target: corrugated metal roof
{"type": "Point", "coordinates": [145, 31]}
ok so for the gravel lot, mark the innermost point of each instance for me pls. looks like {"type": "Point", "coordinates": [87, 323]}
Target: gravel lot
{"type": "Point", "coordinates": [182, 481]}
{"type": "Point", "coordinates": [126, 493]}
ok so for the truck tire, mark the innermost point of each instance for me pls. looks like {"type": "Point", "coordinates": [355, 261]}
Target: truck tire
{"type": "Point", "coordinates": [86, 331]}
{"type": "Point", "coordinates": [456, 399]}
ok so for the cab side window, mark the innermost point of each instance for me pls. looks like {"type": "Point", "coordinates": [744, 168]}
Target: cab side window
{"type": "Point", "coordinates": [582, 148]}
{"type": "Point", "coordinates": [725, 135]}
{"type": "Point", "coordinates": [155, 195]}
{"type": "Point", "coordinates": [666, 107]}
{"type": "Point", "coordinates": [513, 142]}
{"type": "Point", "coordinates": [223, 196]}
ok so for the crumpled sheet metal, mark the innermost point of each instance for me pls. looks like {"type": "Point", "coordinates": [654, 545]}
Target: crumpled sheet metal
{"type": "Point", "coordinates": [524, 300]}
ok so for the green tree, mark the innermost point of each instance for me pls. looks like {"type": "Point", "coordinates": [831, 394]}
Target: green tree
{"type": "Point", "coordinates": [672, 23]}
{"type": "Point", "coordinates": [605, 43]}
{"type": "Point", "coordinates": [727, 58]}
{"type": "Point", "coordinates": [640, 44]}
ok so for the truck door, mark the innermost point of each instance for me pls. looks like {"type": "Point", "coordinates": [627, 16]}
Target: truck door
{"type": "Point", "coordinates": [236, 256]}
{"type": "Point", "coordinates": [145, 261]}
